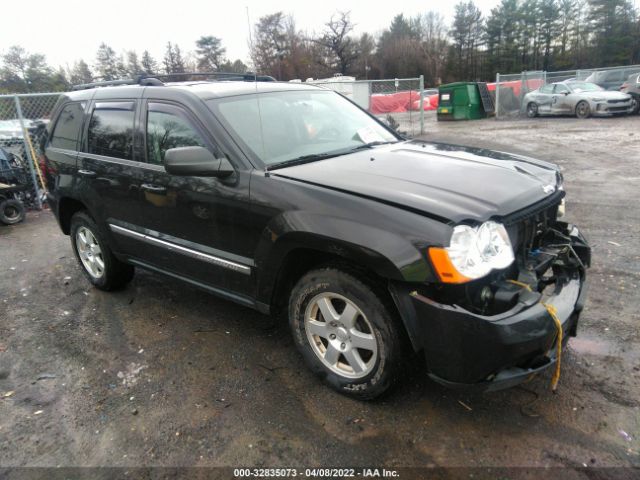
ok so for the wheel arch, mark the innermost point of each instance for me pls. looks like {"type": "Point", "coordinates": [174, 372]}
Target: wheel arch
{"type": "Point", "coordinates": [67, 207]}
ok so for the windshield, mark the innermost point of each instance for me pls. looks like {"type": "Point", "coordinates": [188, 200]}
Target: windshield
{"type": "Point", "coordinates": [298, 124]}
{"type": "Point", "coordinates": [580, 87]}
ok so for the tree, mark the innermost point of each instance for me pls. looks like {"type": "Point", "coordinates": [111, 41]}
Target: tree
{"type": "Point", "coordinates": [24, 72]}
{"type": "Point", "coordinates": [148, 63]}
{"type": "Point", "coordinates": [173, 61]}
{"type": "Point", "coordinates": [340, 47]}
{"type": "Point", "coordinates": [210, 53]}
{"type": "Point", "coordinates": [106, 63]}
{"type": "Point", "coordinates": [269, 46]}
{"type": "Point", "coordinates": [399, 51]}
{"type": "Point", "coordinates": [81, 73]}
{"type": "Point", "coordinates": [614, 30]}
{"type": "Point", "coordinates": [467, 35]}
{"type": "Point", "coordinates": [133, 66]}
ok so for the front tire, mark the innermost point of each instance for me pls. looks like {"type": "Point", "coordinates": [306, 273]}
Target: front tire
{"type": "Point", "coordinates": [95, 257]}
{"type": "Point", "coordinates": [346, 332]}
{"type": "Point", "coordinates": [583, 110]}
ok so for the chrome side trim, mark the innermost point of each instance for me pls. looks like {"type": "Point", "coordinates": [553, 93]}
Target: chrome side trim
{"type": "Point", "coordinates": [221, 262]}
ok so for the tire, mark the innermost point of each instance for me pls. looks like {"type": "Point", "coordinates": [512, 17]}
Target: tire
{"type": "Point", "coordinates": [532, 110]}
{"type": "Point", "coordinates": [95, 257]}
{"type": "Point", "coordinates": [636, 107]}
{"type": "Point", "coordinates": [360, 314]}
{"type": "Point", "coordinates": [12, 211]}
{"type": "Point", "coordinates": [583, 110]}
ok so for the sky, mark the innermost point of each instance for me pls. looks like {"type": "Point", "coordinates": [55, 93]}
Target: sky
{"type": "Point", "coordinates": [68, 30]}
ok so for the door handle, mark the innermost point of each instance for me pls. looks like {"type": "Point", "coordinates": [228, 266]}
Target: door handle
{"type": "Point", "coordinates": [149, 187]}
{"type": "Point", "coordinates": [87, 173]}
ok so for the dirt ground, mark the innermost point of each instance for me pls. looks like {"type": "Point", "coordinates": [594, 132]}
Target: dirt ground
{"type": "Point", "coordinates": [161, 374]}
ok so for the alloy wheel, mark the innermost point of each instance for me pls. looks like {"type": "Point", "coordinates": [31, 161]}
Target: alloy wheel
{"type": "Point", "coordinates": [340, 335]}
{"type": "Point", "coordinates": [90, 252]}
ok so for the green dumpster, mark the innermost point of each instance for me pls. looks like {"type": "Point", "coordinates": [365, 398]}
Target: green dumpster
{"type": "Point", "coordinates": [460, 101]}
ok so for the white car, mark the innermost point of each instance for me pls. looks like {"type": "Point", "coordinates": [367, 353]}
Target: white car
{"type": "Point", "coordinates": [582, 99]}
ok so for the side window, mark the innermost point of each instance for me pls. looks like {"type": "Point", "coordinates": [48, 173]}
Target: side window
{"type": "Point", "coordinates": [67, 128]}
{"type": "Point", "coordinates": [547, 88]}
{"type": "Point", "coordinates": [111, 130]}
{"type": "Point", "coordinates": [561, 89]}
{"type": "Point", "coordinates": [169, 127]}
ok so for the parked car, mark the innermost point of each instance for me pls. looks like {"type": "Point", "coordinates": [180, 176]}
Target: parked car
{"type": "Point", "coordinates": [582, 99]}
{"type": "Point", "coordinates": [632, 87]}
{"type": "Point", "coordinates": [611, 79]}
{"type": "Point", "coordinates": [290, 199]}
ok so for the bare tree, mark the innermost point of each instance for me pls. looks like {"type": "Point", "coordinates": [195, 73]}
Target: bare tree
{"type": "Point", "coordinates": [341, 48]}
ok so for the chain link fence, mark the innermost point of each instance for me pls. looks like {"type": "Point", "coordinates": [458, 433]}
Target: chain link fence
{"type": "Point", "coordinates": [399, 102]}
{"type": "Point", "coordinates": [509, 90]}
{"type": "Point", "coordinates": [23, 126]}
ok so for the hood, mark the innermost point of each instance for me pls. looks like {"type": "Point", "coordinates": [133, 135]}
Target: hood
{"type": "Point", "coordinates": [606, 94]}
{"type": "Point", "coordinates": [448, 182]}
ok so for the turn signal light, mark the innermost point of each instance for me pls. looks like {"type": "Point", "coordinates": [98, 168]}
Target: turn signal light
{"type": "Point", "coordinates": [444, 268]}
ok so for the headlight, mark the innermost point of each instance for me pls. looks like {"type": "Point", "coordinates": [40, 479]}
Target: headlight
{"type": "Point", "coordinates": [473, 252]}
{"type": "Point", "coordinates": [597, 99]}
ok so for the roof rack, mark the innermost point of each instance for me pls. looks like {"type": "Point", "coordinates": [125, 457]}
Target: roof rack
{"type": "Point", "coordinates": [154, 80]}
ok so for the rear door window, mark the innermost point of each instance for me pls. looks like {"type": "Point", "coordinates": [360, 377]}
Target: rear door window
{"type": "Point", "coordinates": [547, 88]}
{"type": "Point", "coordinates": [67, 129]}
{"type": "Point", "coordinates": [111, 130]}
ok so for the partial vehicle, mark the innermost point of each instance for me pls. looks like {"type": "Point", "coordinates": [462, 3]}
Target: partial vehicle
{"type": "Point", "coordinates": [632, 87]}
{"type": "Point", "coordinates": [612, 79]}
{"type": "Point", "coordinates": [291, 200]}
{"type": "Point", "coordinates": [582, 99]}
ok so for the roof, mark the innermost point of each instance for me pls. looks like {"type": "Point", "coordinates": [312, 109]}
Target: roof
{"type": "Point", "coordinates": [209, 90]}
{"type": "Point", "coordinates": [202, 89]}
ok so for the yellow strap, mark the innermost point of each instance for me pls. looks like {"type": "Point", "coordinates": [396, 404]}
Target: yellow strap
{"type": "Point", "coordinates": [35, 161]}
{"type": "Point", "coordinates": [553, 312]}
{"type": "Point", "coordinates": [520, 284]}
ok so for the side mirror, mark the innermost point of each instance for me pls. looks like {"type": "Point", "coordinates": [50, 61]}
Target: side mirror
{"type": "Point", "coordinates": [565, 93]}
{"type": "Point", "coordinates": [195, 162]}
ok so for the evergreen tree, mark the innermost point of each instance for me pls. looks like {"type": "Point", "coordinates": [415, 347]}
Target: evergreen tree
{"type": "Point", "coordinates": [210, 53]}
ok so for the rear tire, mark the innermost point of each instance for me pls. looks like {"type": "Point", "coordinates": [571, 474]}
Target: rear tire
{"type": "Point", "coordinates": [12, 211]}
{"type": "Point", "coordinates": [583, 110]}
{"type": "Point", "coordinates": [532, 110]}
{"type": "Point", "coordinates": [346, 332]}
{"type": "Point", "coordinates": [96, 259]}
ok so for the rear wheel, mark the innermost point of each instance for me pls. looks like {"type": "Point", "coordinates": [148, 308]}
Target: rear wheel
{"type": "Point", "coordinates": [583, 110]}
{"type": "Point", "coordinates": [532, 110]}
{"type": "Point", "coordinates": [98, 263]}
{"type": "Point", "coordinates": [11, 211]}
{"type": "Point", "coordinates": [346, 332]}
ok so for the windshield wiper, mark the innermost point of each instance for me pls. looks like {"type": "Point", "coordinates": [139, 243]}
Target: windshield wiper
{"type": "Point", "coordinates": [322, 156]}
{"type": "Point", "coordinates": [365, 146]}
{"type": "Point", "coordinates": [303, 159]}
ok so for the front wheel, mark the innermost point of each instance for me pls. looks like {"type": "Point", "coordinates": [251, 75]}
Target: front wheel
{"type": "Point", "coordinates": [346, 332]}
{"type": "Point", "coordinates": [583, 110]}
{"type": "Point", "coordinates": [532, 110]}
{"type": "Point", "coordinates": [98, 262]}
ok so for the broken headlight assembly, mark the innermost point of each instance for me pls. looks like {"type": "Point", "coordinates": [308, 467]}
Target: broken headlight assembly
{"type": "Point", "coordinates": [473, 252]}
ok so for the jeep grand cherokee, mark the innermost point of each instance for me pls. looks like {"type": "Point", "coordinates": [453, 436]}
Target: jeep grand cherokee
{"type": "Point", "coordinates": [289, 198]}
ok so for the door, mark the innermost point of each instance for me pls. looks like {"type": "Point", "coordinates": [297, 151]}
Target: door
{"type": "Point", "coordinates": [108, 170]}
{"type": "Point", "coordinates": [544, 99]}
{"type": "Point", "coordinates": [562, 103]}
{"type": "Point", "coordinates": [197, 227]}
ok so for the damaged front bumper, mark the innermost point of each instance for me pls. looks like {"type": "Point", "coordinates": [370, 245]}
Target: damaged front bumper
{"type": "Point", "coordinates": [464, 349]}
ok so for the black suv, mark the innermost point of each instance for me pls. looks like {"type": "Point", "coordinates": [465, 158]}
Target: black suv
{"type": "Point", "coordinates": [290, 198]}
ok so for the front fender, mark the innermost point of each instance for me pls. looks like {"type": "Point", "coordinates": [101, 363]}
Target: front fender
{"type": "Point", "coordinates": [385, 253]}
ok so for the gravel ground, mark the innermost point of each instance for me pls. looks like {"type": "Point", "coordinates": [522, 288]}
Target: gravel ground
{"type": "Point", "coordinates": [161, 374]}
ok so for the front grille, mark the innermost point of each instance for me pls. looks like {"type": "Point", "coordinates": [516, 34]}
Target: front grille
{"type": "Point", "coordinates": [518, 216]}
{"type": "Point", "coordinates": [621, 100]}
{"type": "Point", "coordinates": [618, 109]}
{"type": "Point", "coordinates": [526, 225]}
